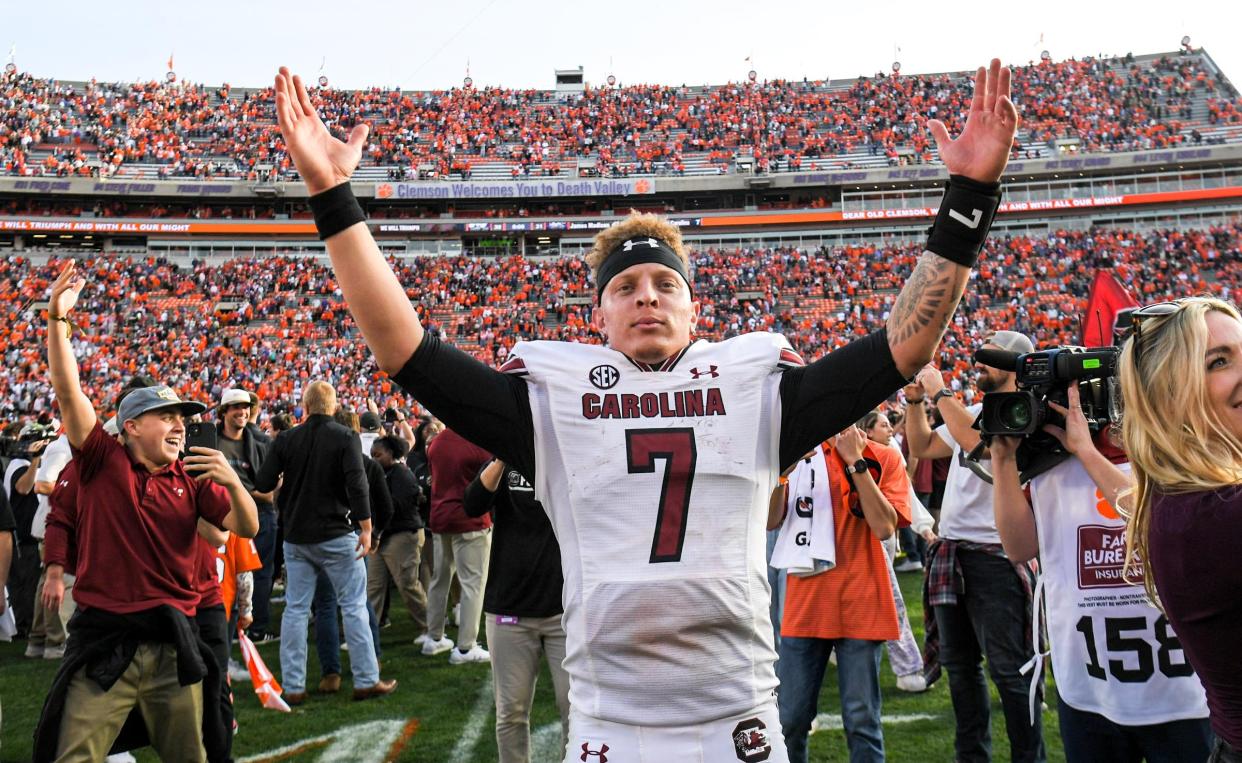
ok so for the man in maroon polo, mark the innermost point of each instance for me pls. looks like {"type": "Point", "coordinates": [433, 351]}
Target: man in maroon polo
{"type": "Point", "coordinates": [133, 643]}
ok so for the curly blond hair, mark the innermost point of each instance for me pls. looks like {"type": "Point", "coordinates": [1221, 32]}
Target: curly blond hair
{"type": "Point", "coordinates": [634, 226]}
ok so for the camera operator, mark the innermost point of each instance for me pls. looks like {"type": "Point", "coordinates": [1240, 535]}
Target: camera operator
{"type": "Point", "coordinates": [1181, 380]}
{"type": "Point", "coordinates": [1115, 702]}
{"type": "Point", "coordinates": [981, 599]}
{"type": "Point", "coordinates": [19, 485]}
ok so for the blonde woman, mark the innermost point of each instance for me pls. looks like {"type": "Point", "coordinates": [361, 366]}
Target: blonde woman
{"type": "Point", "coordinates": [1181, 380]}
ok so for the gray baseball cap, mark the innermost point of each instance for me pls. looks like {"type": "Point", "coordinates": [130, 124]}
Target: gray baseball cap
{"type": "Point", "coordinates": [1012, 341]}
{"type": "Point", "coordinates": [149, 399]}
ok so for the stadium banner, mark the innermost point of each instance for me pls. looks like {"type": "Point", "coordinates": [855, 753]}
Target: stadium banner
{"type": "Point", "coordinates": [1044, 205]}
{"type": "Point", "coordinates": [43, 226]}
{"type": "Point", "coordinates": [532, 188]}
{"type": "Point", "coordinates": [834, 174]}
{"type": "Point", "coordinates": [98, 187]}
{"type": "Point", "coordinates": [147, 227]}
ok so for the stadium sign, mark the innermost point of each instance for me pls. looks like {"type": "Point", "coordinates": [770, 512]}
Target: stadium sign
{"type": "Point", "coordinates": [535, 188]}
{"type": "Point", "coordinates": [306, 229]}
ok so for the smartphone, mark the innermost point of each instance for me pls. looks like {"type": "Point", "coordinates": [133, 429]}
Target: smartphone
{"type": "Point", "coordinates": [199, 435]}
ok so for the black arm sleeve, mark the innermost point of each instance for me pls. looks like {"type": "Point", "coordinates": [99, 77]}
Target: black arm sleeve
{"type": "Point", "coordinates": [823, 398]}
{"type": "Point", "coordinates": [478, 499]}
{"type": "Point", "coordinates": [488, 408]}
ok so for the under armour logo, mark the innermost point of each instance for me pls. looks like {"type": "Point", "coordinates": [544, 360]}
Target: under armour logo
{"type": "Point", "coordinates": [973, 222]}
{"type": "Point", "coordinates": [711, 371]}
{"type": "Point", "coordinates": [588, 752]}
{"type": "Point", "coordinates": [180, 491]}
{"type": "Point", "coordinates": [651, 242]}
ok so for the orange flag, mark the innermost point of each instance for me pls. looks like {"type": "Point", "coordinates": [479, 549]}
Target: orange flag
{"type": "Point", "coordinates": [265, 685]}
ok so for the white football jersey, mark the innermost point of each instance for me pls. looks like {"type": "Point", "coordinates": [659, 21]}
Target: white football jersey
{"type": "Point", "coordinates": [1113, 653]}
{"type": "Point", "coordinates": [656, 482]}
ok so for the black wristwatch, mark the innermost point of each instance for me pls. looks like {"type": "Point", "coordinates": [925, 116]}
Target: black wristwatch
{"type": "Point", "coordinates": [942, 394]}
{"type": "Point", "coordinates": [858, 467]}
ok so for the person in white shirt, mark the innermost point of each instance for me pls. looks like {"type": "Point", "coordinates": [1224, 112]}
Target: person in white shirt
{"type": "Point", "coordinates": [981, 599]}
{"type": "Point", "coordinates": [50, 629]}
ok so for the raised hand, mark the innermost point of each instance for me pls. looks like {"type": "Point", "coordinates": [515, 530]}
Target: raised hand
{"type": "Point", "coordinates": [322, 160]}
{"type": "Point", "coordinates": [65, 290]}
{"type": "Point", "coordinates": [982, 150]}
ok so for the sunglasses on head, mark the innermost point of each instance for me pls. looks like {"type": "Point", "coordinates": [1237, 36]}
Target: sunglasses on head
{"type": "Point", "coordinates": [1158, 310]}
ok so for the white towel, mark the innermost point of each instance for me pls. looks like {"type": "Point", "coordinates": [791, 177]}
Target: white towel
{"type": "Point", "coordinates": [8, 625]}
{"type": "Point", "coordinates": [807, 543]}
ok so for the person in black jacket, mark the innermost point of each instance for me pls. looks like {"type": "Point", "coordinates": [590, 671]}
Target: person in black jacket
{"type": "Point", "coordinates": [521, 604]}
{"type": "Point", "coordinates": [400, 548]}
{"type": "Point", "coordinates": [327, 633]}
{"type": "Point", "coordinates": [325, 490]}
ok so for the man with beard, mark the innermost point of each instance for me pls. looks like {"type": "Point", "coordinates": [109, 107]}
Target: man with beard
{"type": "Point", "coordinates": [981, 600]}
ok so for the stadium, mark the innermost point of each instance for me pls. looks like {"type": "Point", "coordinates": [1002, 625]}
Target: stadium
{"type": "Point", "coordinates": [804, 206]}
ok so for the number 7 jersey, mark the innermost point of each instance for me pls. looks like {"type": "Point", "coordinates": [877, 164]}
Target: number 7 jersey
{"type": "Point", "coordinates": [656, 482]}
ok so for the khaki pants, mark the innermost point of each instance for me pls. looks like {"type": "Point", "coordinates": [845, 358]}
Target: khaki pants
{"type": "Point", "coordinates": [173, 713]}
{"type": "Point", "coordinates": [399, 560]}
{"type": "Point", "coordinates": [49, 626]}
{"type": "Point", "coordinates": [468, 555]}
{"type": "Point", "coordinates": [425, 563]}
{"type": "Point", "coordinates": [516, 649]}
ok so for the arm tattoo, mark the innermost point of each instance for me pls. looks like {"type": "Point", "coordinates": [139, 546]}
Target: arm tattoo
{"type": "Point", "coordinates": [928, 299]}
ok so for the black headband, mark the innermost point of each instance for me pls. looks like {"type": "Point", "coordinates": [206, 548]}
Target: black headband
{"type": "Point", "coordinates": [637, 251]}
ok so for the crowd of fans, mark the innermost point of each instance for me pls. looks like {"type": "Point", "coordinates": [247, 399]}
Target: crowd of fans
{"type": "Point", "coordinates": [1107, 104]}
{"type": "Point", "coordinates": [271, 324]}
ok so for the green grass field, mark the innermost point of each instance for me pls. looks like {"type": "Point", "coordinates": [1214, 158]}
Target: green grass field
{"type": "Point", "coordinates": [443, 714]}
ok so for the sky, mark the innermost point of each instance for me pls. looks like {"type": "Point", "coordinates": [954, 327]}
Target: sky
{"type": "Point", "coordinates": [420, 45]}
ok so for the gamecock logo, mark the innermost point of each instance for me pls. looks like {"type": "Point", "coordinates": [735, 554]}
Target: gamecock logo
{"type": "Point", "coordinates": [750, 741]}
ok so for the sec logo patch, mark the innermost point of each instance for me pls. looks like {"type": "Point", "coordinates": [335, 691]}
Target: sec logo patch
{"type": "Point", "coordinates": [604, 377]}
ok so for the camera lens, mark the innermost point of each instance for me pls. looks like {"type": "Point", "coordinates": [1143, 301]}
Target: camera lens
{"type": "Point", "coordinates": [1015, 414]}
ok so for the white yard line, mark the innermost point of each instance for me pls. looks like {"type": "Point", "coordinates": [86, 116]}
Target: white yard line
{"type": "Point", "coordinates": [545, 744]}
{"type": "Point", "coordinates": [473, 732]}
{"type": "Point", "coordinates": [833, 722]}
{"type": "Point", "coordinates": [361, 743]}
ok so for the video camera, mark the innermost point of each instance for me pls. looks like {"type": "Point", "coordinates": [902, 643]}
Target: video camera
{"type": "Point", "coordinates": [1045, 377]}
{"type": "Point", "coordinates": [22, 446]}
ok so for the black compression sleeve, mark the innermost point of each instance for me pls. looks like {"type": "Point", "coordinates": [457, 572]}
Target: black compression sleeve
{"type": "Point", "coordinates": [488, 408]}
{"type": "Point", "coordinates": [823, 398]}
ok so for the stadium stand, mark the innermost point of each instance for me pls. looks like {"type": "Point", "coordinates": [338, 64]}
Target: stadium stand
{"type": "Point", "coordinates": [165, 130]}
{"type": "Point", "coordinates": [272, 323]}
